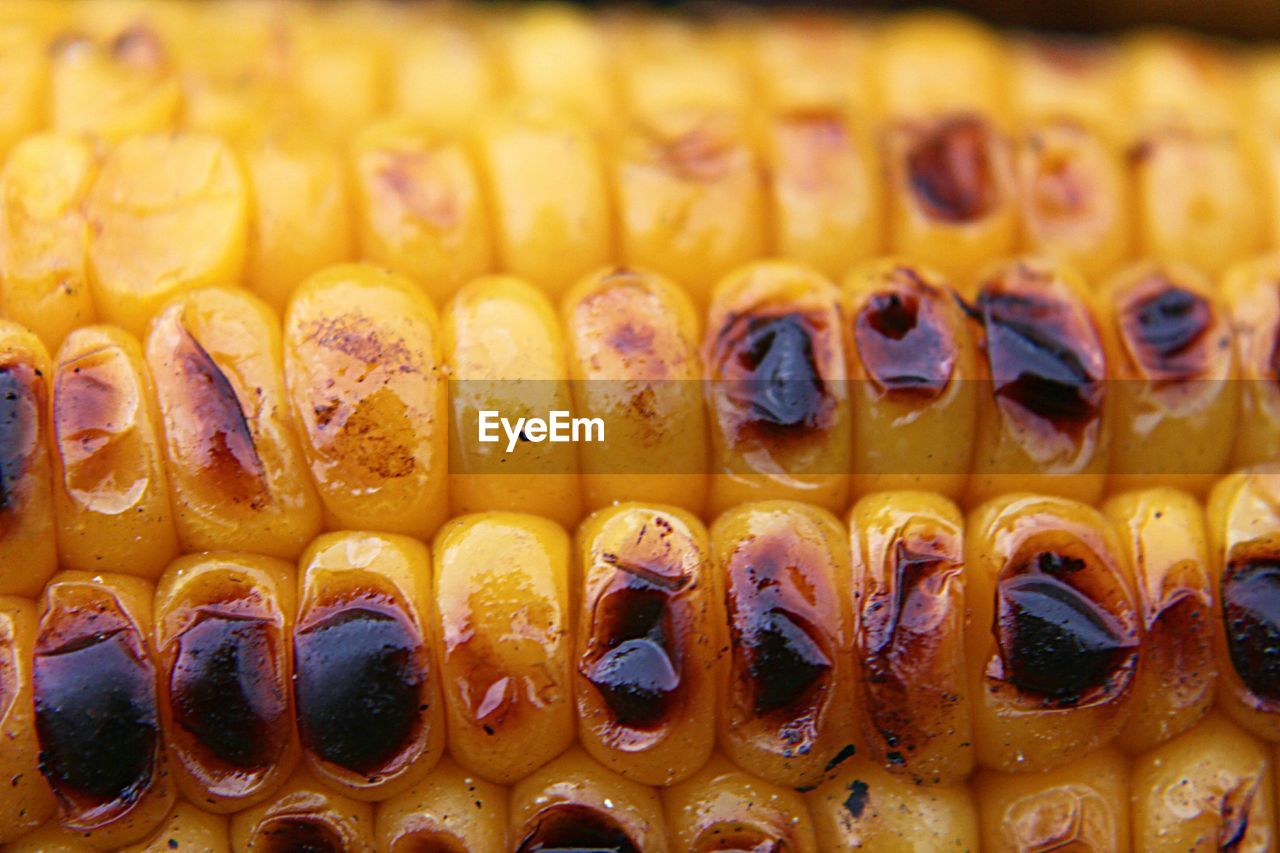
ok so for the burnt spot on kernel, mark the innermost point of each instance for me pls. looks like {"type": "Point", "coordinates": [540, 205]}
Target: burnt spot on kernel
{"type": "Point", "coordinates": [951, 170]}
{"type": "Point", "coordinates": [357, 336]}
{"type": "Point", "coordinates": [904, 342]}
{"type": "Point", "coordinates": [21, 400]}
{"type": "Point", "coordinates": [1165, 329]}
{"type": "Point", "coordinates": [735, 838]}
{"type": "Point", "coordinates": [568, 826]}
{"type": "Point", "coordinates": [298, 835]}
{"type": "Point", "coordinates": [701, 154]}
{"type": "Point", "coordinates": [359, 671]}
{"type": "Point", "coordinates": [1251, 615]}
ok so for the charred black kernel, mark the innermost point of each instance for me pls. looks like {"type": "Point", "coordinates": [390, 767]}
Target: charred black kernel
{"type": "Point", "coordinates": [570, 827]}
{"type": "Point", "coordinates": [856, 803]}
{"type": "Point", "coordinates": [774, 370]}
{"type": "Point", "coordinates": [1166, 329]}
{"type": "Point", "coordinates": [299, 835]}
{"type": "Point", "coordinates": [224, 690]}
{"type": "Point", "coordinates": [17, 423]}
{"type": "Point", "coordinates": [358, 682]}
{"type": "Point", "coordinates": [1251, 610]}
{"type": "Point", "coordinates": [783, 659]}
{"type": "Point", "coordinates": [903, 344]}
{"type": "Point", "coordinates": [634, 667]}
{"type": "Point", "coordinates": [951, 170]}
{"type": "Point", "coordinates": [96, 717]}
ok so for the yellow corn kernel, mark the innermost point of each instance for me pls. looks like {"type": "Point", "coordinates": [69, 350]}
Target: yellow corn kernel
{"type": "Point", "coordinates": [505, 353]}
{"type": "Point", "coordinates": [450, 810]}
{"type": "Point", "coordinates": [722, 808]}
{"type": "Point", "coordinates": [1044, 408]}
{"type": "Point", "coordinates": [1252, 296]}
{"type": "Point", "coordinates": [574, 803]}
{"type": "Point", "coordinates": [912, 370]}
{"type": "Point", "coordinates": [1082, 806]}
{"type": "Point", "coordinates": [633, 339]}
{"type": "Point", "coordinates": [93, 680]}
{"type": "Point", "coordinates": [551, 224]}
{"type": "Point", "coordinates": [1196, 199]}
{"type": "Point", "coordinates": [1161, 533]}
{"type": "Point", "coordinates": [168, 213]}
{"type": "Point", "coordinates": [781, 419]}
{"type": "Point", "coordinates": [111, 491]}
{"type": "Point", "coordinates": [1053, 643]}
{"type": "Point", "coordinates": [1056, 80]}
{"type": "Point", "coordinates": [419, 208]}
{"type": "Point", "coordinates": [690, 197]}
{"type": "Point", "coordinates": [42, 16]}
{"type": "Point", "coordinates": [669, 63]}
{"type": "Point", "coordinates": [557, 52]}
{"type": "Point", "coordinates": [1173, 378]}
{"type": "Point", "coordinates": [864, 807]}
{"type": "Point", "coordinates": [908, 582]}
{"type": "Point", "coordinates": [441, 73]}
{"type": "Point", "coordinates": [1073, 197]}
{"type": "Point", "coordinates": [28, 556]}
{"type": "Point", "coordinates": [1209, 789]}
{"type": "Point", "coordinates": [237, 472]}
{"type": "Point", "coordinates": [1244, 540]}
{"type": "Point", "coordinates": [301, 220]}
{"type": "Point", "coordinates": [224, 624]}
{"type": "Point", "coordinates": [122, 85]}
{"type": "Point", "coordinates": [365, 626]}
{"type": "Point", "coordinates": [824, 189]}
{"type": "Point", "coordinates": [24, 84]}
{"type": "Point", "coordinates": [1171, 78]}
{"type": "Point", "coordinates": [50, 838]}
{"type": "Point", "coordinates": [364, 369]}
{"type": "Point", "coordinates": [812, 60]}
{"type": "Point", "coordinates": [187, 828]}
{"type": "Point", "coordinates": [44, 239]}
{"type": "Point", "coordinates": [26, 802]}
{"type": "Point", "coordinates": [303, 814]}
{"type": "Point", "coordinates": [788, 684]}
{"type": "Point", "coordinates": [952, 194]}
{"type": "Point", "coordinates": [502, 603]}
{"type": "Point", "coordinates": [338, 76]}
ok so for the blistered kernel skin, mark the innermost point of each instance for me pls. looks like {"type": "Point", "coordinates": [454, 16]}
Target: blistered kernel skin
{"type": "Point", "coordinates": [25, 802]}
{"type": "Point", "coordinates": [114, 88]}
{"type": "Point", "coordinates": [503, 610]}
{"type": "Point", "coordinates": [777, 395]}
{"type": "Point", "coordinates": [364, 369]}
{"type": "Point", "coordinates": [366, 673]}
{"type": "Point", "coordinates": [1044, 406]}
{"type": "Point", "coordinates": [451, 811]}
{"type": "Point", "coordinates": [1251, 292]}
{"type": "Point", "coordinates": [28, 555]}
{"type": "Point", "coordinates": [223, 628]}
{"type": "Point", "coordinates": [573, 802]}
{"type": "Point", "coordinates": [1207, 789]}
{"type": "Point", "coordinates": [187, 828]}
{"type": "Point", "coordinates": [647, 653]}
{"type": "Point", "coordinates": [1052, 644]}
{"type": "Point", "coordinates": [787, 683]}
{"type": "Point", "coordinates": [632, 338]}
{"type": "Point", "coordinates": [909, 590]}
{"type": "Point", "coordinates": [305, 814]}
{"type": "Point", "coordinates": [1081, 806]}
{"type": "Point", "coordinates": [1161, 533]}
{"type": "Point", "coordinates": [723, 808]}
{"type": "Point", "coordinates": [237, 472]}
{"type": "Point", "coordinates": [96, 709]}
{"type": "Point", "coordinates": [111, 491]}
{"type": "Point", "coordinates": [864, 806]}
{"type": "Point", "coordinates": [911, 367]}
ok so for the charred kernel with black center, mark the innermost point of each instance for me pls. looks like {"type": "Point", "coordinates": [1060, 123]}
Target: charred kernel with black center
{"type": "Point", "coordinates": [1165, 327]}
{"type": "Point", "coordinates": [359, 672]}
{"type": "Point", "coordinates": [633, 661]}
{"type": "Point", "coordinates": [569, 826]}
{"type": "Point", "coordinates": [903, 341]}
{"type": "Point", "coordinates": [951, 170]}
{"type": "Point", "coordinates": [299, 835]}
{"type": "Point", "coordinates": [19, 407]}
{"type": "Point", "coordinates": [1251, 615]}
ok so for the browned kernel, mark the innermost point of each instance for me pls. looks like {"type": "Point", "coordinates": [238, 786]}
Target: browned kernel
{"type": "Point", "coordinates": [951, 171]}
{"type": "Point", "coordinates": [567, 826]}
{"type": "Point", "coordinates": [904, 343]}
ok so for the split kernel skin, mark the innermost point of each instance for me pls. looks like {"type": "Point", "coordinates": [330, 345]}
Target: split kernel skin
{"type": "Point", "coordinates": [1251, 291]}
{"type": "Point", "coordinates": [574, 802]}
{"type": "Point", "coordinates": [442, 72]}
{"type": "Point", "coordinates": [26, 801]}
{"type": "Point", "coordinates": [503, 609]}
{"type": "Point", "coordinates": [420, 209]}
{"type": "Point", "coordinates": [723, 808]}
{"type": "Point", "coordinates": [648, 645]}
{"type": "Point", "coordinates": [633, 346]}
{"type": "Point", "coordinates": [94, 677]}
{"type": "Point", "coordinates": [28, 555]}
{"type": "Point", "coordinates": [1058, 78]}
{"type": "Point", "coordinates": [304, 810]}
{"type": "Point", "coordinates": [911, 366]}
{"type": "Point", "coordinates": [1173, 78]}
{"type": "Point", "coordinates": [909, 594]}
{"type": "Point", "coordinates": [1208, 789]}
{"type": "Point", "coordinates": [450, 809]}
{"type": "Point", "coordinates": [1044, 408]}
{"type": "Point", "coordinates": [864, 806]}
{"type": "Point", "coordinates": [364, 369]}
{"type": "Point", "coordinates": [375, 589]}
{"type": "Point", "coordinates": [168, 213]}
{"type": "Point", "coordinates": [1162, 535]}
{"type": "Point", "coordinates": [235, 466]}
{"type": "Point", "coordinates": [1081, 806]}
{"type": "Point", "coordinates": [223, 631]}
{"type": "Point", "coordinates": [1052, 645]}
{"type": "Point", "coordinates": [111, 492]}
{"type": "Point", "coordinates": [787, 683]}
{"type": "Point", "coordinates": [777, 395]}
{"type": "Point", "coordinates": [505, 352]}
{"type": "Point", "coordinates": [44, 238]}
